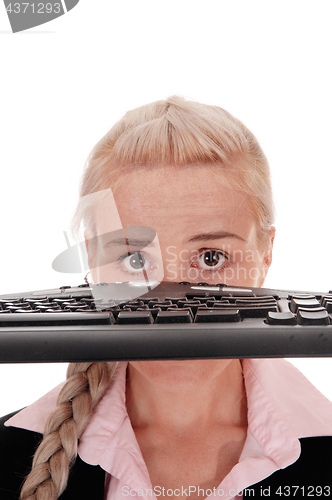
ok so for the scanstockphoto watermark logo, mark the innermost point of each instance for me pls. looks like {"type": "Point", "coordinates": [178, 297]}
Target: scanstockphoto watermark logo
{"type": "Point", "coordinates": [133, 255]}
{"type": "Point", "coordinates": [189, 491]}
{"type": "Point", "coordinates": [136, 248]}
{"type": "Point", "coordinates": [26, 15]}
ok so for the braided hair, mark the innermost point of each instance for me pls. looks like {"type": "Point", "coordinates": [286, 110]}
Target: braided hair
{"type": "Point", "coordinates": [85, 385]}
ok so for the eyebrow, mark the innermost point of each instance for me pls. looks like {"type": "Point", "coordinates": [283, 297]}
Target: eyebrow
{"type": "Point", "coordinates": [214, 236]}
{"type": "Point", "coordinates": [131, 242]}
{"type": "Point", "coordinates": [199, 237]}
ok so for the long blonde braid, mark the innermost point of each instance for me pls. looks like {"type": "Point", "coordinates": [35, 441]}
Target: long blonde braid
{"type": "Point", "coordinates": [86, 383]}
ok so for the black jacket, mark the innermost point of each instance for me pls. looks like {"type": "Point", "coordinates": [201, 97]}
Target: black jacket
{"type": "Point", "coordinates": [309, 477]}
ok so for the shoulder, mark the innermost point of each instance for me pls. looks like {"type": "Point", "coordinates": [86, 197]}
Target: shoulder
{"type": "Point", "coordinates": [16, 442]}
{"type": "Point", "coordinates": [17, 447]}
{"type": "Point", "coordinates": [316, 459]}
{"type": "Point", "coordinates": [14, 435]}
{"type": "Point", "coordinates": [310, 475]}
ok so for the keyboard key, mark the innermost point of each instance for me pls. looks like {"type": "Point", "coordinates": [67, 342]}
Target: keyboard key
{"type": "Point", "coordinates": [4, 302]}
{"type": "Point", "coordinates": [217, 316]}
{"type": "Point", "coordinates": [307, 303]}
{"type": "Point", "coordinates": [175, 316]}
{"type": "Point", "coordinates": [17, 306]}
{"type": "Point", "coordinates": [250, 311]}
{"type": "Point", "coordinates": [134, 307]}
{"type": "Point", "coordinates": [35, 301]}
{"type": "Point", "coordinates": [65, 301]}
{"type": "Point", "coordinates": [257, 311]}
{"type": "Point", "coordinates": [110, 304]}
{"type": "Point", "coordinates": [45, 307]}
{"type": "Point", "coordinates": [28, 311]}
{"type": "Point", "coordinates": [187, 303]}
{"type": "Point", "coordinates": [216, 303]}
{"type": "Point", "coordinates": [312, 309]}
{"type": "Point", "coordinates": [255, 300]}
{"type": "Point", "coordinates": [328, 306]}
{"type": "Point", "coordinates": [54, 319]}
{"type": "Point", "coordinates": [300, 296]}
{"type": "Point", "coordinates": [195, 307]}
{"type": "Point", "coordinates": [174, 300]}
{"type": "Point", "coordinates": [313, 317]}
{"type": "Point", "coordinates": [134, 318]}
{"type": "Point", "coordinates": [256, 303]}
{"type": "Point", "coordinates": [205, 300]}
{"type": "Point", "coordinates": [325, 299]}
{"type": "Point", "coordinates": [57, 311]}
{"type": "Point", "coordinates": [90, 301]}
{"type": "Point", "coordinates": [150, 299]}
{"type": "Point", "coordinates": [153, 311]}
{"type": "Point", "coordinates": [153, 302]}
{"type": "Point", "coordinates": [162, 305]}
{"type": "Point", "coordinates": [281, 318]}
{"type": "Point", "coordinates": [134, 303]}
{"type": "Point", "coordinates": [190, 304]}
{"type": "Point", "coordinates": [75, 307]}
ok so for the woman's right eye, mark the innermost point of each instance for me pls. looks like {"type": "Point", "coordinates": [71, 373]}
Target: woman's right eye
{"type": "Point", "coordinates": [134, 261]}
{"type": "Point", "coordinates": [134, 264]}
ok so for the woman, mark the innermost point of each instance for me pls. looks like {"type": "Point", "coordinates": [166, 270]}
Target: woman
{"type": "Point", "coordinates": [190, 428]}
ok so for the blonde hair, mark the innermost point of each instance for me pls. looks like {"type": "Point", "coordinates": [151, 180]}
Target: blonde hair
{"type": "Point", "coordinates": [173, 132]}
{"type": "Point", "coordinates": [182, 133]}
{"type": "Point", "coordinates": [86, 383]}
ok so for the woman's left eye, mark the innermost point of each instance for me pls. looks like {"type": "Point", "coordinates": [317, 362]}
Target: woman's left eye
{"type": "Point", "coordinates": [211, 259]}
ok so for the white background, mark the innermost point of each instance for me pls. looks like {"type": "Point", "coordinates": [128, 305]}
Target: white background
{"type": "Point", "coordinates": [65, 83]}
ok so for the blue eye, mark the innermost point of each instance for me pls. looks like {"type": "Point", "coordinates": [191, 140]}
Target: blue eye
{"type": "Point", "coordinates": [131, 262]}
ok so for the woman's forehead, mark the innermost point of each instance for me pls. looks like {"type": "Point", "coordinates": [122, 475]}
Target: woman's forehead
{"type": "Point", "coordinates": [182, 190]}
{"type": "Point", "coordinates": [177, 201]}
{"type": "Point", "coordinates": [187, 180]}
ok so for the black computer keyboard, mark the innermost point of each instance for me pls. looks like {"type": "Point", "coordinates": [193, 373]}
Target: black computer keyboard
{"type": "Point", "coordinates": [130, 321]}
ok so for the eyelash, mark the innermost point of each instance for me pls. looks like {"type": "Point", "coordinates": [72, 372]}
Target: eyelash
{"type": "Point", "coordinates": [127, 255]}
{"type": "Point", "coordinates": [214, 268]}
{"type": "Point", "coordinates": [202, 252]}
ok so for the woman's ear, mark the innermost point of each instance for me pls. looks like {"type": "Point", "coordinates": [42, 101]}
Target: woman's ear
{"type": "Point", "coordinates": [87, 241]}
{"type": "Point", "coordinates": [90, 253]}
{"type": "Point", "coordinates": [267, 254]}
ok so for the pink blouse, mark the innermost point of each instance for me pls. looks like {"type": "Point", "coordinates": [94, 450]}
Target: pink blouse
{"type": "Point", "coordinates": [282, 407]}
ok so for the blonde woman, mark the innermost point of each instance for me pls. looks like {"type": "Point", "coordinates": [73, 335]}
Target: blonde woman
{"type": "Point", "coordinates": [197, 428]}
